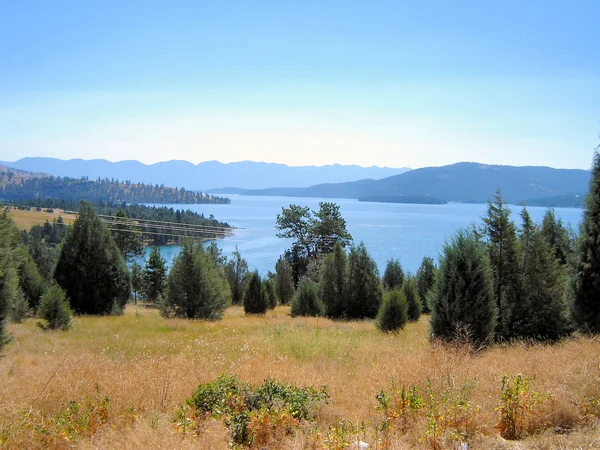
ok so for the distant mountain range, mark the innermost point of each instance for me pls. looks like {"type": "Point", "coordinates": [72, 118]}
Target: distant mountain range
{"type": "Point", "coordinates": [461, 182]}
{"type": "Point", "coordinates": [210, 176]}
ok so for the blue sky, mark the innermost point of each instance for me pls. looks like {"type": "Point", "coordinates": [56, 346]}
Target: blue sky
{"type": "Point", "coordinates": [394, 83]}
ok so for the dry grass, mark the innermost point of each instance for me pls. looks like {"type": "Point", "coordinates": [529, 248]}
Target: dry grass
{"type": "Point", "coordinates": [26, 219]}
{"type": "Point", "coordinates": [147, 366]}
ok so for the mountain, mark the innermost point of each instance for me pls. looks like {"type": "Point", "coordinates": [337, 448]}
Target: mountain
{"type": "Point", "coordinates": [206, 175]}
{"type": "Point", "coordinates": [461, 182]}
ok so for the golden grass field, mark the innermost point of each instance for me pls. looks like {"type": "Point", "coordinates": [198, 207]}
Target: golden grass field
{"type": "Point", "coordinates": [26, 219]}
{"type": "Point", "coordinates": [147, 366]}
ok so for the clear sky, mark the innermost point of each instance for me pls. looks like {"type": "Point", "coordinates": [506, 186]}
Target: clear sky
{"type": "Point", "coordinates": [388, 83]}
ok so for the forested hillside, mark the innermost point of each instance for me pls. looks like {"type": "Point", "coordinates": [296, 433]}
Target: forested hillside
{"type": "Point", "coordinates": [16, 187]}
{"type": "Point", "coordinates": [461, 182]}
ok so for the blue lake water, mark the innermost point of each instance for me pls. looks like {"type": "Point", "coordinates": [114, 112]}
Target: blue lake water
{"type": "Point", "coordinates": [403, 231]}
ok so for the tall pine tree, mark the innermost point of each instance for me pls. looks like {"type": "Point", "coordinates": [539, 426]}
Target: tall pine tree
{"type": "Point", "coordinates": [540, 315]}
{"type": "Point", "coordinates": [462, 299]}
{"type": "Point", "coordinates": [503, 253]}
{"type": "Point", "coordinates": [90, 267]}
{"type": "Point", "coordinates": [333, 283]}
{"type": "Point", "coordinates": [364, 289]}
{"type": "Point", "coordinates": [196, 288]}
{"type": "Point", "coordinates": [584, 283]}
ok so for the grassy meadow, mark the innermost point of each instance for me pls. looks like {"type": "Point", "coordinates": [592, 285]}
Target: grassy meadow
{"type": "Point", "coordinates": [122, 382]}
{"type": "Point", "coordinates": [25, 219]}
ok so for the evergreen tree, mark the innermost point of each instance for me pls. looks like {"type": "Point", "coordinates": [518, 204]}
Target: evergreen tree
{"type": "Point", "coordinates": [90, 268]}
{"type": "Point", "coordinates": [137, 280]}
{"type": "Point", "coordinates": [462, 298]}
{"type": "Point", "coordinates": [255, 299]}
{"type": "Point", "coordinates": [236, 272]}
{"type": "Point", "coordinates": [557, 237]}
{"type": "Point", "coordinates": [409, 289]}
{"type": "Point", "coordinates": [364, 289]}
{"type": "Point", "coordinates": [333, 284]}
{"type": "Point", "coordinates": [127, 237]}
{"type": "Point", "coordinates": [284, 282]}
{"type": "Point", "coordinates": [425, 281]}
{"type": "Point", "coordinates": [393, 313]}
{"type": "Point", "coordinates": [504, 258]}
{"type": "Point", "coordinates": [269, 288]}
{"type": "Point", "coordinates": [196, 289]}
{"type": "Point", "coordinates": [306, 302]}
{"type": "Point", "coordinates": [9, 277]}
{"type": "Point", "coordinates": [30, 280]}
{"type": "Point", "coordinates": [18, 308]}
{"type": "Point", "coordinates": [584, 282]}
{"type": "Point", "coordinates": [54, 308]}
{"type": "Point", "coordinates": [393, 277]}
{"type": "Point", "coordinates": [540, 314]}
{"type": "Point", "coordinates": [154, 276]}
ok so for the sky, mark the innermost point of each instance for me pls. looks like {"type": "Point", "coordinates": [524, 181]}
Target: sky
{"type": "Point", "coordinates": [386, 83]}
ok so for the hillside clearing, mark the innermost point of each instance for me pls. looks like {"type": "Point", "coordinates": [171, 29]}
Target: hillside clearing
{"type": "Point", "coordinates": [128, 376]}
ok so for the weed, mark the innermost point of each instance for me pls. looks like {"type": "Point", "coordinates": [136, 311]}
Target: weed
{"type": "Point", "coordinates": [256, 414]}
{"type": "Point", "coordinates": [517, 404]}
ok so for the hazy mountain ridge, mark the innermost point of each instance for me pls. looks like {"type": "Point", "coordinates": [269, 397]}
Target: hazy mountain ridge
{"type": "Point", "coordinates": [460, 182]}
{"type": "Point", "coordinates": [207, 175]}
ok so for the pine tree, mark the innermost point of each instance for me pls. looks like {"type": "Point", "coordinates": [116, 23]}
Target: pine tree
{"type": "Point", "coordinates": [333, 284]}
{"type": "Point", "coordinates": [126, 236]}
{"type": "Point", "coordinates": [196, 288]}
{"type": "Point", "coordinates": [269, 288]}
{"type": "Point", "coordinates": [393, 277]}
{"type": "Point", "coordinates": [541, 313]}
{"type": "Point", "coordinates": [54, 309]}
{"type": "Point", "coordinates": [425, 281]}
{"type": "Point", "coordinates": [306, 302]}
{"type": "Point", "coordinates": [9, 277]}
{"type": "Point", "coordinates": [30, 280]}
{"type": "Point", "coordinates": [137, 280]}
{"type": "Point", "coordinates": [236, 271]}
{"type": "Point", "coordinates": [462, 299]}
{"type": "Point", "coordinates": [364, 289]}
{"type": "Point", "coordinates": [393, 313]}
{"type": "Point", "coordinates": [154, 276]}
{"type": "Point", "coordinates": [583, 294]}
{"type": "Point", "coordinates": [255, 299]}
{"type": "Point", "coordinates": [504, 258]}
{"type": "Point", "coordinates": [90, 268]}
{"type": "Point", "coordinates": [409, 289]}
{"type": "Point", "coordinates": [557, 237]}
{"type": "Point", "coordinates": [284, 281]}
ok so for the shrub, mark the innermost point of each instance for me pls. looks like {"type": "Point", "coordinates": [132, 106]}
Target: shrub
{"type": "Point", "coordinates": [54, 308]}
{"type": "Point", "coordinates": [252, 415]}
{"type": "Point", "coordinates": [306, 301]}
{"type": "Point", "coordinates": [393, 312]}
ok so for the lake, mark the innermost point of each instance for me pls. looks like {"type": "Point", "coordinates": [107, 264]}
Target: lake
{"type": "Point", "coordinates": [389, 230]}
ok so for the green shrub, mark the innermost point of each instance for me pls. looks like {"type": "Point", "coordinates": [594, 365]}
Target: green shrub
{"type": "Point", "coordinates": [54, 308]}
{"type": "Point", "coordinates": [393, 313]}
{"type": "Point", "coordinates": [239, 405]}
{"type": "Point", "coordinates": [306, 302]}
